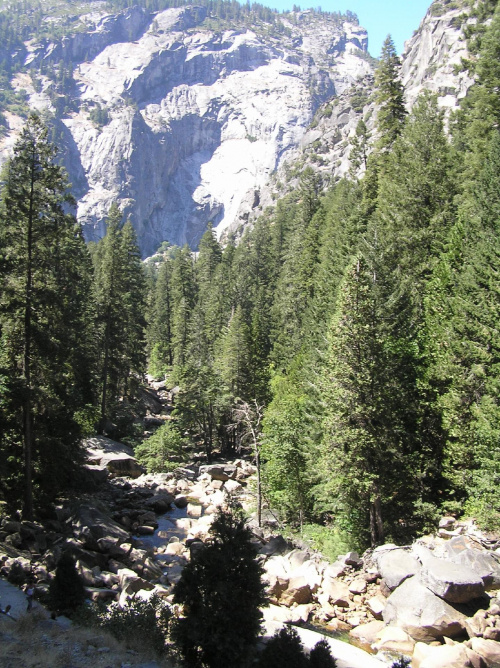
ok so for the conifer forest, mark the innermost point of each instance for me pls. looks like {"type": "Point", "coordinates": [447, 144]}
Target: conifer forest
{"type": "Point", "coordinates": [348, 339]}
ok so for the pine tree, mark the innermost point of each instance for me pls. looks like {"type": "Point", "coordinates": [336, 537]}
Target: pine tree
{"type": "Point", "coordinates": [160, 344]}
{"type": "Point", "coordinates": [233, 359]}
{"type": "Point", "coordinates": [369, 426]}
{"type": "Point", "coordinates": [359, 149]}
{"type": "Point", "coordinates": [321, 656]}
{"type": "Point", "coordinates": [389, 95]}
{"type": "Point", "coordinates": [463, 309]}
{"type": "Point", "coordinates": [43, 313]}
{"type": "Point", "coordinates": [119, 287]}
{"type": "Point", "coordinates": [221, 591]}
{"type": "Point", "coordinates": [183, 299]}
{"type": "Point", "coordinates": [283, 650]}
{"type": "Point", "coordinates": [66, 591]}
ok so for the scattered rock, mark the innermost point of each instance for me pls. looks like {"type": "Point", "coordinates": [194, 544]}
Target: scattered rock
{"type": "Point", "coordinates": [452, 582]}
{"type": "Point", "coordinates": [422, 614]}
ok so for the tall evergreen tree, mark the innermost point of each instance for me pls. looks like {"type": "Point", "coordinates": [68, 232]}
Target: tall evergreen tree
{"type": "Point", "coordinates": [463, 307]}
{"type": "Point", "coordinates": [389, 95]}
{"type": "Point", "coordinates": [119, 287]}
{"type": "Point", "coordinates": [371, 470]}
{"type": "Point", "coordinates": [183, 299]}
{"type": "Point", "coordinates": [160, 346]}
{"type": "Point", "coordinates": [43, 315]}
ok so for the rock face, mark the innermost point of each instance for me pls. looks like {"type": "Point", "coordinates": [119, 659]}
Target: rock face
{"type": "Point", "coordinates": [197, 118]}
{"type": "Point", "coordinates": [428, 62]}
{"type": "Point", "coordinates": [433, 52]}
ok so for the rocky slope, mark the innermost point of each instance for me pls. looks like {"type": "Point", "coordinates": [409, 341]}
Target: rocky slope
{"type": "Point", "coordinates": [429, 62]}
{"type": "Point", "coordinates": [185, 119]}
{"type": "Point", "coordinates": [197, 117]}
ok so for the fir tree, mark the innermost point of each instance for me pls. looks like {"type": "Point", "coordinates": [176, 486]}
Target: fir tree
{"type": "Point", "coordinates": [283, 650]}
{"type": "Point", "coordinates": [119, 287]}
{"type": "Point", "coordinates": [389, 96]}
{"type": "Point", "coordinates": [221, 591]}
{"type": "Point", "coordinates": [321, 656]}
{"type": "Point", "coordinates": [66, 591]}
{"type": "Point", "coordinates": [43, 313]}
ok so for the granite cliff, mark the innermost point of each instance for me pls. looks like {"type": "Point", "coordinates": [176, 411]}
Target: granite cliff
{"type": "Point", "coordinates": [185, 120]}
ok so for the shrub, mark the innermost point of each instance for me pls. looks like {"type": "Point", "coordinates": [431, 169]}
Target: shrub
{"type": "Point", "coordinates": [221, 591]}
{"type": "Point", "coordinates": [321, 656]}
{"type": "Point", "coordinates": [133, 622]}
{"type": "Point", "coordinates": [284, 650]}
{"type": "Point", "coordinates": [66, 591]}
{"type": "Point", "coordinates": [163, 450]}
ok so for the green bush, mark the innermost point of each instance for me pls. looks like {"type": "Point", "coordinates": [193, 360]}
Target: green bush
{"type": "Point", "coordinates": [133, 623]}
{"type": "Point", "coordinates": [328, 540]}
{"type": "Point", "coordinates": [162, 451]}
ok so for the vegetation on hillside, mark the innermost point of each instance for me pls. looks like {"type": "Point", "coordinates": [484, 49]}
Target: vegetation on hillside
{"type": "Point", "coordinates": [360, 324]}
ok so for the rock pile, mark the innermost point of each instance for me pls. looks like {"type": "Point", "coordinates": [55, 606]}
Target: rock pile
{"type": "Point", "coordinates": [434, 601]}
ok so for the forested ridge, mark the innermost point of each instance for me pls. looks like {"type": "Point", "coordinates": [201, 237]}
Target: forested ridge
{"type": "Point", "coordinates": [350, 339]}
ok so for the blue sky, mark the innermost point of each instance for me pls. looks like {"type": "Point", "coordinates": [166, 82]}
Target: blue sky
{"type": "Point", "coordinates": [380, 17]}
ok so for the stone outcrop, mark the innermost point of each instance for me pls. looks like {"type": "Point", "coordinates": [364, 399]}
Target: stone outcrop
{"type": "Point", "coordinates": [454, 583]}
{"type": "Point", "coordinates": [197, 118]}
{"type": "Point", "coordinates": [422, 614]}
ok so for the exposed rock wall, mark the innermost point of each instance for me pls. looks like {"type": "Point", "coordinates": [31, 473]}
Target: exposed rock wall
{"type": "Point", "coordinates": [198, 117]}
{"type": "Point", "coordinates": [429, 62]}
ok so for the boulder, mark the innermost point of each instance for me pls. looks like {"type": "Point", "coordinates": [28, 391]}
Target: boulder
{"type": "Point", "coordinates": [277, 565]}
{"type": "Point", "coordinates": [131, 583]}
{"type": "Point", "coordinates": [311, 572]}
{"type": "Point", "coordinates": [367, 633]}
{"type": "Point", "coordinates": [353, 559]}
{"type": "Point", "coordinates": [215, 472]}
{"type": "Point", "coordinates": [395, 566]}
{"type": "Point", "coordinates": [276, 545]}
{"type": "Point", "coordinates": [117, 457]}
{"type": "Point", "coordinates": [90, 524]}
{"type": "Point", "coordinates": [486, 564]}
{"type": "Point", "coordinates": [98, 474]}
{"type": "Point", "coordinates": [337, 592]}
{"type": "Point", "coordinates": [144, 530]}
{"type": "Point", "coordinates": [422, 614]}
{"type": "Point", "coordinates": [180, 501]}
{"type": "Point", "coordinates": [358, 586]}
{"type": "Point", "coordinates": [233, 486]}
{"type": "Point", "coordinates": [451, 656]}
{"type": "Point", "coordinates": [335, 570]}
{"type": "Point", "coordinates": [276, 586]}
{"type": "Point", "coordinates": [492, 633]}
{"type": "Point", "coordinates": [298, 592]}
{"type": "Point", "coordinates": [194, 509]}
{"type": "Point", "coordinates": [101, 595]}
{"type": "Point", "coordinates": [160, 503]}
{"type": "Point", "coordinates": [297, 557]}
{"type": "Point", "coordinates": [175, 547]}
{"type": "Point", "coordinates": [90, 558]}
{"type": "Point", "coordinates": [476, 625]}
{"type": "Point", "coordinates": [376, 606]}
{"type": "Point", "coordinates": [453, 582]}
{"type": "Point", "coordinates": [122, 465]}
{"type": "Point", "coordinates": [488, 649]}
{"type": "Point", "coordinates": [394, 639]}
